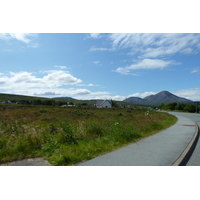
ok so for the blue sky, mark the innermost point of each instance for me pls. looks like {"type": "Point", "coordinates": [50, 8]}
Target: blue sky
{"type": "Point", "coordinates": [97, 65]}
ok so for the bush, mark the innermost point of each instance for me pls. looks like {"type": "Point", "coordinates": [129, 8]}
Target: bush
{"type": "Point", "coordinates": [190, 108]}
{"type": "Point", "coordinates": [67, 133]}
{"type": "Point", "coordinates": [77, 113]}
{"type": "Point", "coordinates": [94, 129]}
{"type": "Point", "coordinates": [43, 110]}
{"type": "Point", "coordinates": [52, 128]}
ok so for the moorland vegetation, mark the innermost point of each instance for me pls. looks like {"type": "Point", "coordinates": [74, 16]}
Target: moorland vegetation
{"type": "Point", "coordinates": [66, 136]}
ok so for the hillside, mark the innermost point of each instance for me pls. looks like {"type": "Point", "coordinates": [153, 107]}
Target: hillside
{"type": "Point", "coordinates": [65, 99]}
{"type": "Point", "coordinates": [161, 97]}
{"type": "Point", "coordinates": [59, 100]}
{"type": "Point", "coordinates": [12, 97]}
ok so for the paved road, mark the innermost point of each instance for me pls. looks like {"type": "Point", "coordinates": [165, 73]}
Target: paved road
{"type": "Point", "coordinates": [161, 149]}
{"type": "Point", "coordinates": [195, 158]}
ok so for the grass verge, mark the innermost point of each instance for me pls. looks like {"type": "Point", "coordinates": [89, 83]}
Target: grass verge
{"type": "Point", "coordinates": [69, 136]}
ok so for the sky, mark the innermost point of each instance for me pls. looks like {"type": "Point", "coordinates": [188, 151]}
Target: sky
{"type": "Point", "coordinates": [100, 65]}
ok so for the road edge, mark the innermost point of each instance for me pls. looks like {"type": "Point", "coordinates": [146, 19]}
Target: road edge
{"type": "Point", "coordinates": [186, 154]}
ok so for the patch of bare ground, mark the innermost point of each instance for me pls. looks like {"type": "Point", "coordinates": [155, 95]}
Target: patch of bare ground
{"type": "Point", "coordinates": [29, 162]}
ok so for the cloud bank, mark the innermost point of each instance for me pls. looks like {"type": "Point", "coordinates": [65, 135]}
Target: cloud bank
{"type": "Point", "coordinates": [52, 83]}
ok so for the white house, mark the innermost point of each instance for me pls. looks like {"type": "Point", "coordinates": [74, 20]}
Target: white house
{"type": "Point", "coordinates": [103, 104]}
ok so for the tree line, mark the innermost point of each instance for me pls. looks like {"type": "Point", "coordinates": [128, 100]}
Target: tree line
{"type": "Point", "coordinates": [185, 107]}
{"type": "Point", "coordinates": [48, 102]}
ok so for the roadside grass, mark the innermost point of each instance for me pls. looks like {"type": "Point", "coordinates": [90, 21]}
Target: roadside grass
{"type": "Point", "coordinates": [67, 136]}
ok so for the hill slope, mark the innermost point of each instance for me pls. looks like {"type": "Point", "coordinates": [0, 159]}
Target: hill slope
{"type": "Point", "coordinates": [11, 97]}
{"type": "Point", "coordinates": [161, 97]}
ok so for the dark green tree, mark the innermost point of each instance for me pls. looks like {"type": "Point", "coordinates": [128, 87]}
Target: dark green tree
{"type": "Point", "coordinates": [180, 106]}
{"type": "Point", "coordinates": [114, 104]}
{"type": "Point", "coordinates": [171, 106]}
{"type": "Point", "coordinates": [190, 108]}
{"type": "Point", "coordinates": [161, 106]}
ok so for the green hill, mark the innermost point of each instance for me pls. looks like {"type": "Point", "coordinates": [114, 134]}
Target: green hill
{"type": "Point", "coordinates": [14, 97]}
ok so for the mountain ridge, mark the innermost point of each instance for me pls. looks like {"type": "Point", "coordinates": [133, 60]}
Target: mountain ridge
{"type": "Point", "coordinates": [157, 99]}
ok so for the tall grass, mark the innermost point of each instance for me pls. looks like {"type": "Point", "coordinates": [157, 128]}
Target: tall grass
{"type": "Point", "coordinates": [68, 136]}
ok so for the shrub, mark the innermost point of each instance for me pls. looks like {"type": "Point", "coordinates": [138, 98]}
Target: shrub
{"type": "Point", "coordinates": [67, 133]}
{"type": "Point", "coordinates": [50, 145]}
{"type": "Point", "coordinates": [77, 113]}
{"type": "Point", "coordinates": [52, 128]}
{"type": "Point", "coordinates": [43, 110]}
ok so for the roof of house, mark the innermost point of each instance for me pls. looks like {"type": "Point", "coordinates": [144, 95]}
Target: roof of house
{"type": "Point", "coordinates": [101, 102]}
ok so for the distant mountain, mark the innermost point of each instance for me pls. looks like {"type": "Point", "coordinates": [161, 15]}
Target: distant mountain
{"type": "Point", "coordinates": [161, 97]}
{"type": "Point", "coordinates": [136, 100]}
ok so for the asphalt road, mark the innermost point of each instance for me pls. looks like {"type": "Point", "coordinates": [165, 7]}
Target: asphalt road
{"type": "Point", "coordinates": [195, 158]}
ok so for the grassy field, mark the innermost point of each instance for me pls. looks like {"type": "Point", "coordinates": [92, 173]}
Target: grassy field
{"type": "Point", "coordinates": [66, 136]}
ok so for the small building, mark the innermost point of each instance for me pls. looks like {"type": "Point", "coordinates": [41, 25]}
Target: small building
{"type": "Point", "coordinates": [104, 104]}
{"type": "Point", "coordinates": [6, 101]}
{"type": "Point", "coordinates": [66, 106]}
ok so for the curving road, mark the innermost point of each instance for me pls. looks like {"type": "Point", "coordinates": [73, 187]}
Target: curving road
{"type": "Point", "coordinates": [195, 158]}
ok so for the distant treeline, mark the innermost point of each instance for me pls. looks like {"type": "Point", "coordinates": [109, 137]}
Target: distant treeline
{"type": "Point", "coordinates": [47, 102]}
{"type": "Point", "coordinates": [185, 107]}
{"type": "Point", "coordinates": [52, 102]}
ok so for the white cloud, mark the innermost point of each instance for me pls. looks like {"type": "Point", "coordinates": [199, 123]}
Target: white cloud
{"type": "Point", "coordinates": [150, 64]}
{"type": "Point", "coordinates": [95, 35]}
{"type": "Point", "coordinates": [142, 95]}
{"type": "Point", "coordinates": [156, 45]}
{"type": "Point", "coordinates": [122, 70]}
{"type": "Point", "coordinates": [96, 62]}
{"type": "Point", "coordinates": [145, 64]}
{"type": "Point", "coordinates": [23, 37]}
{"type": "Point", "coordinates": [51, 84]}
{"type": "Point", "coordinates": [99, 49]}
{"type": "Point", "coordinates": [191, 94]}
{"type": "Point", "coordinates": [54, 78]}
{"type": "Point", "coordinates": [34, 45]}
{"type": "Point", "coordinates": [88, 85]}
{"type": "Point", "coordinates": [101, 95]}
{"type": "Point", "coordinates": [194, 71]}
{"type": "Point", "coordinates": [61, 67]}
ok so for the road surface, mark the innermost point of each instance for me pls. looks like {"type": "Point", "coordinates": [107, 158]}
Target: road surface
{"type": "Point", "coordinates": [195, 158]}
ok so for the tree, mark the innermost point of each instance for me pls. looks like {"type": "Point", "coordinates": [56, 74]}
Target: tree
{"type": "Point", "coordinates": [171, 106]}
{"type": "Point", "coordinates": [190, 108]}
{"type": "Point", "coordinates": [180, 106]}
{"type": "Point", "coordinates": [114, 104]}
{"type": "Point", "coordinates": [161, 106]}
